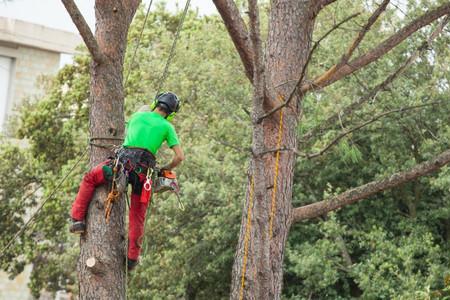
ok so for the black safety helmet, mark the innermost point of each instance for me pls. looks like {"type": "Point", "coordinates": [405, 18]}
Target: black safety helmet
{"type": "Point", "coordinates": [169, 100]}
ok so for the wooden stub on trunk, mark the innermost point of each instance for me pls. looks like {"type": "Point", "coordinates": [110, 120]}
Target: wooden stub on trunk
{"type": "Point", "coordinates": [95, 265]}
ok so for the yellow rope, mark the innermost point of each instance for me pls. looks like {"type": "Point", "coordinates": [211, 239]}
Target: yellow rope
{"type": "Point", "coordinates": [275, 181]}
{"type": "Point", "coordinates": [247, 238]}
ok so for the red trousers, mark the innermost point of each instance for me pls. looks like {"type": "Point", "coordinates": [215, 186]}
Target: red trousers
{"type": "Point", "coordinates": [91, 180]}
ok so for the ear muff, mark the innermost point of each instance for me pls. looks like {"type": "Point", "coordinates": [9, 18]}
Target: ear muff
{"type": "Point", "coordinates": [153, 104]}
{"type": "Point", "coordinates": [171, 116]}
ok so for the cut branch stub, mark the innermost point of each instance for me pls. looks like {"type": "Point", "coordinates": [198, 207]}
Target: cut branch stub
{"type": "Point", "coordinates": [95, 266]}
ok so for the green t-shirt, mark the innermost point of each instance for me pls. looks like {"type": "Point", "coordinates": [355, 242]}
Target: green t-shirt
{"type": "Point", "coordinates": [149, 130]}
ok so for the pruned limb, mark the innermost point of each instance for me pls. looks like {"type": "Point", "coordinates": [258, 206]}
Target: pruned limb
{"type": "Point", "coordinates": [95, 265]}
{"type": "Point", "coordinates": [380, 87]}
{"type": "Point", "coordinates": [84, 30]}
{"type": "Point", "coordinates": [378, 51]}
{"type": "Point", "coordinates": [305, 66]}
{"type": "Point", "coordinates": [374, 119]}
{"type": "Point", "coordinates": [356, 194]}
{"type": "Point", "coordinates": [238, 32]}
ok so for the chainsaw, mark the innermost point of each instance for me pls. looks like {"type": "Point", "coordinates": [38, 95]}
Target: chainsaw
{"type": "Point", "coordinates": [167, 181]}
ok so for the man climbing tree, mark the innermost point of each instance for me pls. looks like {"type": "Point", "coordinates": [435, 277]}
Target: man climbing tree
{"type": "Point", "coordinates": [146, 131]}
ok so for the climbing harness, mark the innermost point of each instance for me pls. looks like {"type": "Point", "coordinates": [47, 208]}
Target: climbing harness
{"type": "Point", "coordinates": [136, 162]}
{"type": "Point", "coordinates": [247, 237]}
{"type": "Point", "coordinates": [128, 166]}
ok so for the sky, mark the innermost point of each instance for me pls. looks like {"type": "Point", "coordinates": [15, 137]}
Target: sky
{"type": "Point", "coordinates": [51, 13]}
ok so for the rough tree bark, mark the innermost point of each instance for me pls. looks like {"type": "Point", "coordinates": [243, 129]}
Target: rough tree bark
{"type": "Point", "coordinates": [101, 265]}
{"type": "Point", "coordinates": [257, 270]}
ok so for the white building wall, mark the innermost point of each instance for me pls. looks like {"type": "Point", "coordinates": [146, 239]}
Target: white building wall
{"type": "Point", "coordinates": [32, 50]}
{"type": "Point", "coordinates": [20, 80]}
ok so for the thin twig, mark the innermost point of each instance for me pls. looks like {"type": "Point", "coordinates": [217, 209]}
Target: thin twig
{"type": "Point", "coordinates": [374, 119]}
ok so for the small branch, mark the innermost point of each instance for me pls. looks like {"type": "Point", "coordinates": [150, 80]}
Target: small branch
{"type": "Point", "coordinates": [344, 252]}
{"type": "Point", "coordinates": [376, 118]}
{"type": "Point", "coordinates": [84, 30]}
{"type": "Point", "coordinates": [381, 87]}
{"type": "Point", "coordinates": [378, 51]}
{"type": "Point", "coordinates": [305, 66]}
{"type": "Point", "coordinates": [278, 149]}
{"type": "Point", "coordinates": [234, 147]}
{"type": "Point", "coordinates": [373, 18]}
{"type": "Point", "coordinates": [361, 34]}
{"type": "Point", "coordinates": [238, 32]}
{"type": "Point", "coordinates": [356, 194]}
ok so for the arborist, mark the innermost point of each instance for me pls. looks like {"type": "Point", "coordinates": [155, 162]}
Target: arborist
{"type": "Point", "coordinates": [146, 132]}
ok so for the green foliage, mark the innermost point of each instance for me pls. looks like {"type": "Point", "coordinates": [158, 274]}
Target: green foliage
{"type": "Point", "coordinates": [393, 246]}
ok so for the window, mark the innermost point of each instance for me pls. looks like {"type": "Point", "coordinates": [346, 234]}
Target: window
{"type": "Point", "coordinates": [6, 64]}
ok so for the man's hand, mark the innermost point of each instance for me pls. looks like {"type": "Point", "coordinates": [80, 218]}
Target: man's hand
{"type": "Point", "coordinates": [177, 158]}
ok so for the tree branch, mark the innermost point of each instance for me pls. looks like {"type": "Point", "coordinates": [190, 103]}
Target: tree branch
{"type": "Point", "coordinates": [84, 30]}
{"type": "Point", "coordinates": [361, 34]}
{"type": "Point", "coordinates": [353, 195]}
{"type": "Point", "coordinates": [381, 87]}
{"type": "Point", "coordinates": [238, 32]}
{"type": "Point", "coordinates": [378, 51]}
{"type": "Point", "coordinates": [321, 4]}
{"type": "Point", "coordinates": [376, 118]}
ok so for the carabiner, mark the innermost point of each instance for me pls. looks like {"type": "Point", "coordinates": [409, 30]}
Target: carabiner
{"type": "Point", "coordinates": [148, 184]}
{"type": "Point", "coordinates": [148, 180]}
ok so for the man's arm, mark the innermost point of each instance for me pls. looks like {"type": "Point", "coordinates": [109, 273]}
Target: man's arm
{"type": "Point", "coordinates": [177, 158]}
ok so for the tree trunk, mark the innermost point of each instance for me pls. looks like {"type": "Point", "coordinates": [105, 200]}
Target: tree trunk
{"type": "Point", "coordinates": [288, 45]}
{"type": "Point", "coordinates": [106, 242]}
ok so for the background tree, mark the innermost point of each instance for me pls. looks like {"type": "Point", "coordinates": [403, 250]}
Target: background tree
{"type": "Point", "coordinates": [277, 73]}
